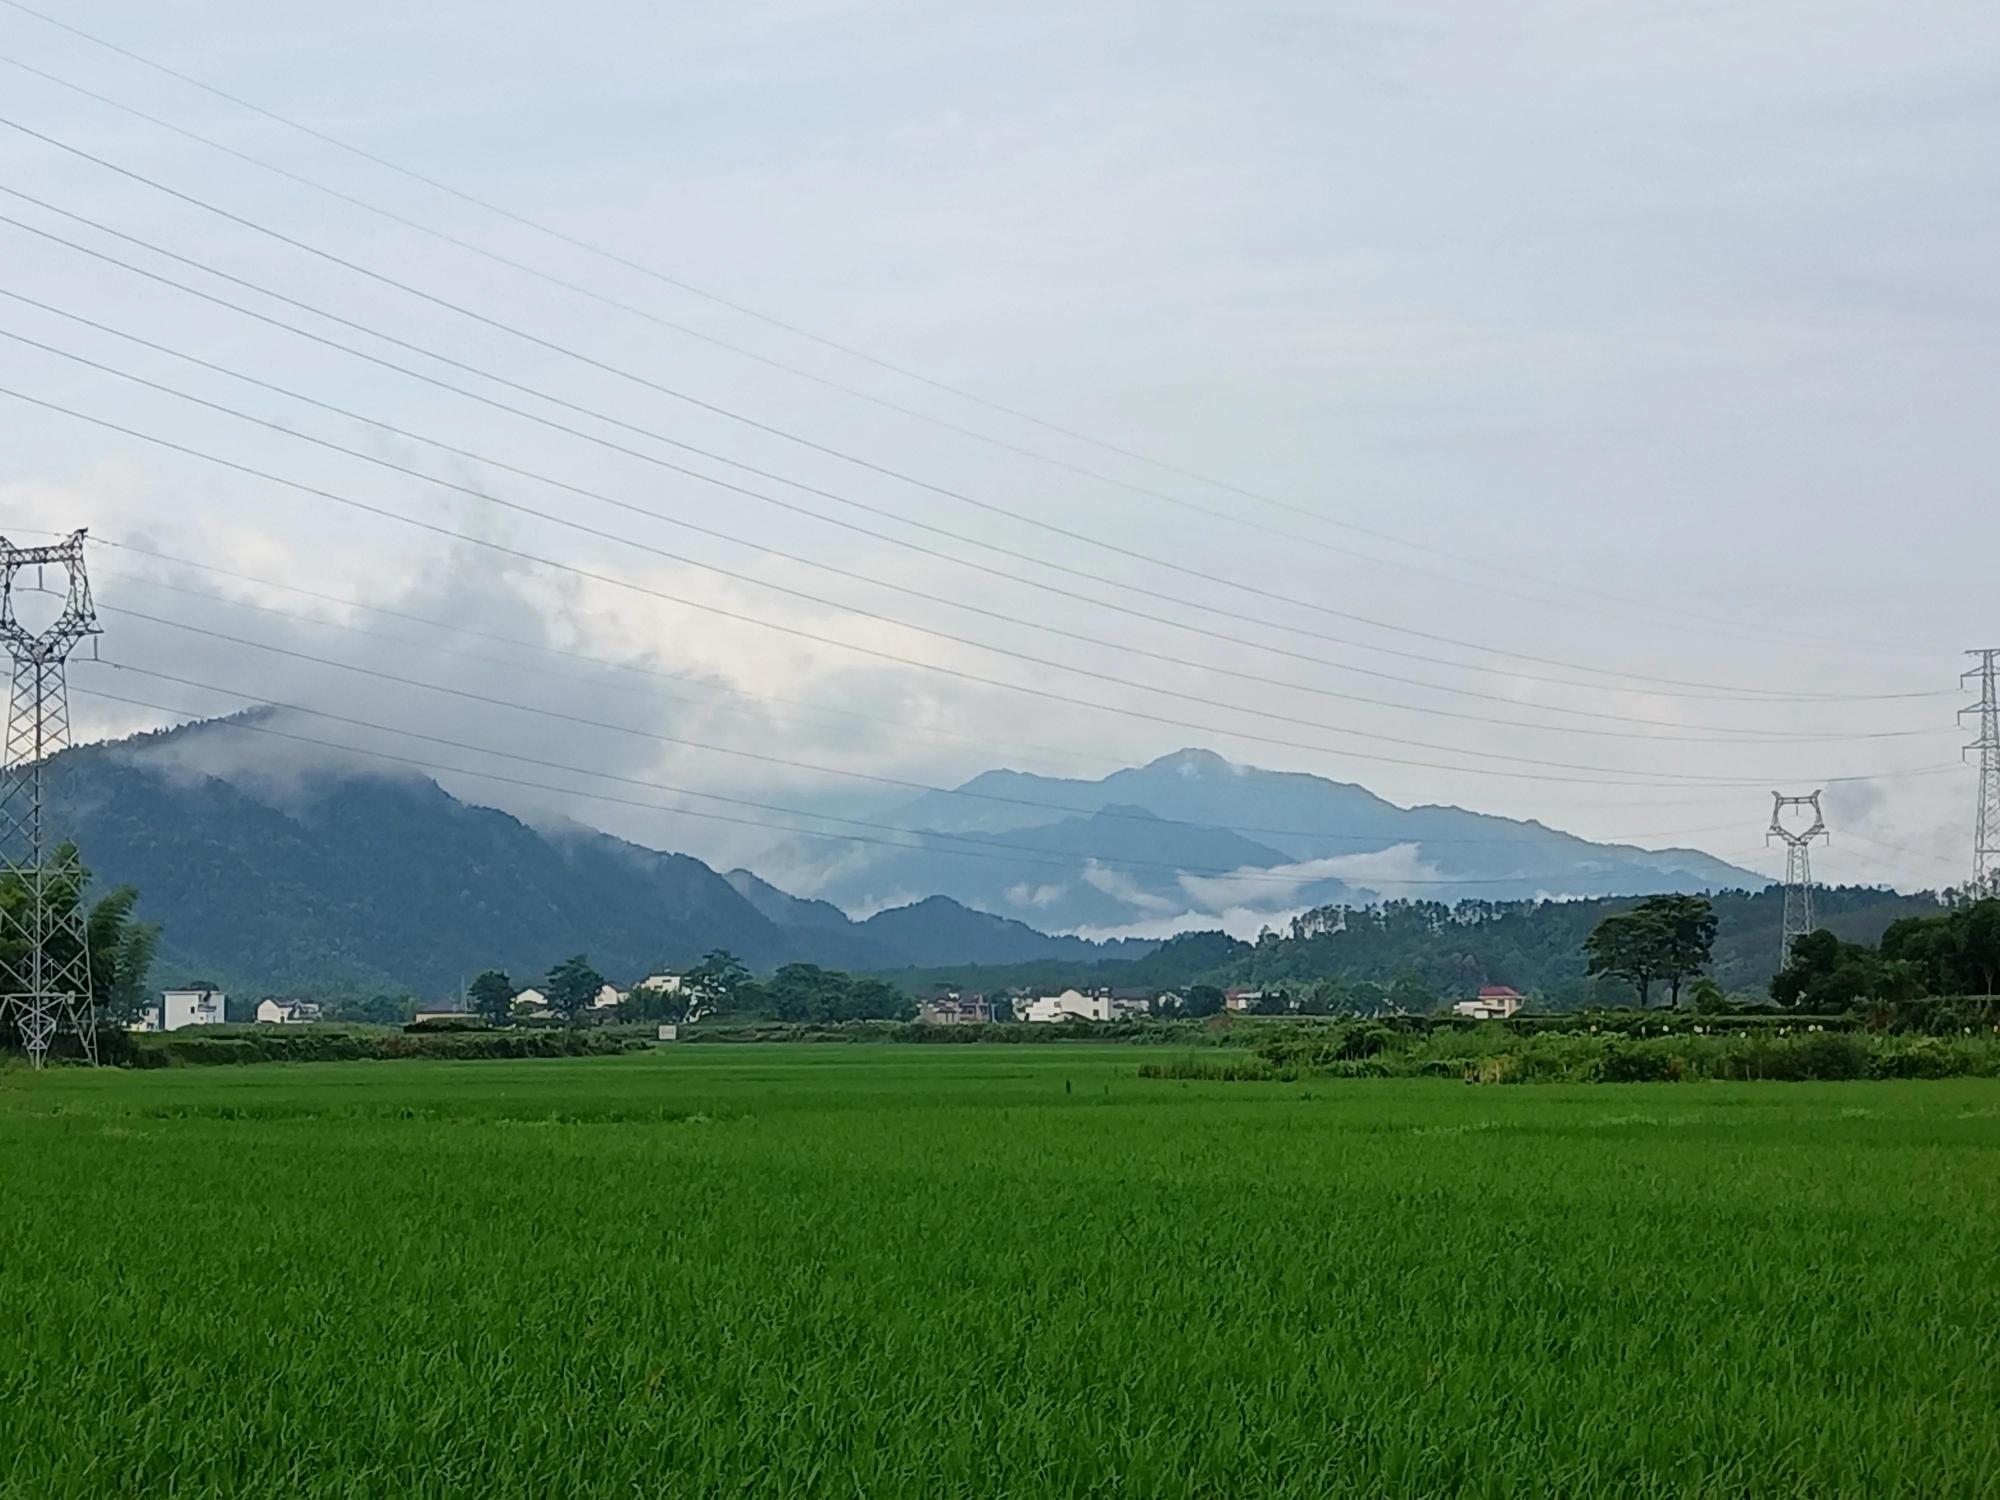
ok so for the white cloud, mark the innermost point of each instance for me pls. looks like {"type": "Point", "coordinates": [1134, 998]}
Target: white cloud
{"type": "Point", "coordinates": [1398, 870]}
{"type": "Point", "coordinates": [1551, 253]}
{"type": "Point", "coordinates": [1035, 897]}
{"type": "Point", "coordinates": [1122, 887]}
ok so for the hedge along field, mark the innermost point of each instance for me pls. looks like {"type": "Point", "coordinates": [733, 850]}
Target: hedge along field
{"type": "Point", "coordinates": [973, 1271]}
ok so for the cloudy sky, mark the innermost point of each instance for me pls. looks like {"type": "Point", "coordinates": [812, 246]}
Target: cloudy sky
{"type": "Point", "coordinates": [1506, 406]}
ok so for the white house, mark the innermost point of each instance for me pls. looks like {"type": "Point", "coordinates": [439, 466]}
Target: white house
{"type": "Point", "coordinates": [1044, 1010]}
{"type": "Point", "coordinates": [178, 1008]}
{"type": "Point", "coordinates": [1074, 1005]}
{"type": "Point", "coordinates": [286, 1012]}
{"type": "Point", "coordinates": [1495, 1002]}
{"type": "Point", "coordinates": [1242, 1000]}
{"type": "Point", "coordinates": [447, 1010]}
{"type": "Point", "coordinates": [669, 984]}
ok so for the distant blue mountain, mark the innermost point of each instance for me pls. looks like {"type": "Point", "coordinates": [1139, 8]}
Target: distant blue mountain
{"type": "Point", "coordinates": [1194, 835]}
{"type": "Point", "coordinates": [269, 877]}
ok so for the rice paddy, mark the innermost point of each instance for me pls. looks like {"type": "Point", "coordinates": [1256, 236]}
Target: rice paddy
{"type": "Point", "coordinates": [983, 1271]}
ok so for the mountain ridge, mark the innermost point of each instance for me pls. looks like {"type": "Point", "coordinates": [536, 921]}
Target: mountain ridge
{"type": "Point", "coordinates": [331, 879]}
{"type": "Point", "coordinates": [1192, 835]}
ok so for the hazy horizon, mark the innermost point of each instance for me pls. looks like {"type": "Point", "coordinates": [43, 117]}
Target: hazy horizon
{"type": "Point", "coordinates": [1570, 385]}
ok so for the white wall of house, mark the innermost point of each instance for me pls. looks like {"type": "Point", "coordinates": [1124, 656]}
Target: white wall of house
{"type": "Point", "coordinates": [1070, 1005]}
{"type": "Point", "coordinates": [180, 1008]}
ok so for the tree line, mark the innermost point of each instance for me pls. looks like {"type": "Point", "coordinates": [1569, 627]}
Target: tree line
{"type": "Point", "coordinates": [120, 947]}
{"type": "Point", "coordinates": [719, 986]}
{"type": "Point", "coordinates": [1952, 952]}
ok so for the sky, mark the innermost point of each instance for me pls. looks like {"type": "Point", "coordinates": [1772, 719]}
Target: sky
{"type": "Point", "coordinates": [1508, 406]}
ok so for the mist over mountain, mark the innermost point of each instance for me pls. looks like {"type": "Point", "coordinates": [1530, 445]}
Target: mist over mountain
{"type": "Point", "coordinates": [1192, 839]}
{"type": "Point", "coordinates": [276, 866]}
{"type": "Point", "coordinates": [275, 870]}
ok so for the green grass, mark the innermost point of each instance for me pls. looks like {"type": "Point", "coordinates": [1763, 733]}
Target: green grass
{"type": "Point", "coordinates": [979, 1271]}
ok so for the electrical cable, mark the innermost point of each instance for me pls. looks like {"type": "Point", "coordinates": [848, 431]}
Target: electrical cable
{"type": "Point", "coordinates": [1726, 734]}
{"type": "Point", "coordinates": [741, 308]}
{"type": "Point", "coordinates": [1655, 686]}
{"type": "Point", "coordinates": [646, 382]}
{"type": "Point", "coordinates": [982, 847]}
{"type": "Point", "coordinates": [1291, 830]}
{"type": "Point", "coordinates": [367, 508]}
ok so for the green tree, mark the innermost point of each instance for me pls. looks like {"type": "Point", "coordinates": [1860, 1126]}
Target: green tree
{"type": "Point", "coordinates": [1822, 973]}
{"type": "Point", "coordinates": [121, 956]}
{"type": "Point", "coordinates": [1275, 1001]}
{"type": "Point", "coordinates": [1681, 930]}
{"type": "Point", "coordinates": [1410, 995]}
{"type": "Point", "coordinates": [1202, 1000]}
{"type": "Point", "coordinates": [120, 949]}
{"type": "Point", "coordinates": [1708, 997]}
{"type": "Point", "coordinates": [572, 988]}
{"type": "Point", "coordinates": [1956, 952]}
{"type": "Point", "coordinates": [681, 1004]}
{"type": "Point", "coordinates": [717, 985]}
{"type": "Point", "coordinates": [492, 996]}
{"type": "Point", "coordinates": [373, 1010]}
{"type": "Point", "coordinates": [1626, 946]}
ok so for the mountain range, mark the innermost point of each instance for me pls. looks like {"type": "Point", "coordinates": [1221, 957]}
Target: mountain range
{"type": "Point", "coordinates": [338, 877]}
{"type": "Point", "coordinates": [333, 879]}
{"type": "Point", "coordinates": [1192, 838]}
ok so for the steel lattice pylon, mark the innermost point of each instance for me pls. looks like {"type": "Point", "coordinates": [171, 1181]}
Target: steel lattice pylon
{"type": "Point", "coordinates": [1798, 867]}
{"type": "Point", "coordinates": [44, 956]}
{"type": "Point", "coordinates": [1986, 831]}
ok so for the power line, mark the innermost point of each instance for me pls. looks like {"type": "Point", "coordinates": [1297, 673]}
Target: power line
{"type": "Point", "coordinates": [1925, 879]}
{"type": "Point", "coordinates": [633, 310]}
{"type": "Point", "coordinates": [367, 508]}
{"type": "Point", "coordinates": [645, 382]}
{"type": "Point", "coordinates": [720, 612]}
{"type": "Point", "coordinates": [458, 627]}
{"type": "Point", "coordinates": [1178, 624]}
{"type": "Point", "coordinates": [505, 703]}
{"type": "Point", "coordinates": [770, 320]}
{"type": "Point", "coordinates": [904, 726]}
{"type": "Point", "coordinates": [1654, 686]}
{"type": "Point", "coordinates": [904, 783]}
{"type": "Point", "coordinates": [583, 721]}
{"type": "Point", "coordinates": [1728, 735]}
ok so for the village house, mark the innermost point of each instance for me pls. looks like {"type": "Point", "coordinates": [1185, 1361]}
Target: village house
{"type": "Point", "coordinates": [179, 1008]}
{"type": "Point", "coordinates": [1075, 1005]}
{"type": "Point", "coordinates": [953, 1008]}
{"type": "Point", "coordinates": [274, 1012]}
{"type": "Point", "coordinates": [1495, 1002]}
{"type": "Point", "coordinates": [443, 1010]}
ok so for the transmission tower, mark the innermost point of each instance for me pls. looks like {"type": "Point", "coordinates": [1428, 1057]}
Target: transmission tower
{"type": "Point", "coordinates": [1798, 866]}
{"type": "Point", "coordinates": [1986, 831]}
{"type": "Point", "coordinates": [44, 958]}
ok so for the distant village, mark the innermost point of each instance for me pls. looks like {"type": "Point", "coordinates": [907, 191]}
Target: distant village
{"type": "Point", "coordinates": [178, 1009]}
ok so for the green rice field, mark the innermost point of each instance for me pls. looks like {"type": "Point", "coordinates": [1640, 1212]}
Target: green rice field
{"type": "Point", "coordinates": [989, 1271]}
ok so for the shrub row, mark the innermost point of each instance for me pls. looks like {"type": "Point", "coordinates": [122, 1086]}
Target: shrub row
{"type": "Point", "coordinates": [190, 1048]}
{"type": "Point", "coordinates": [1501, 1057]}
